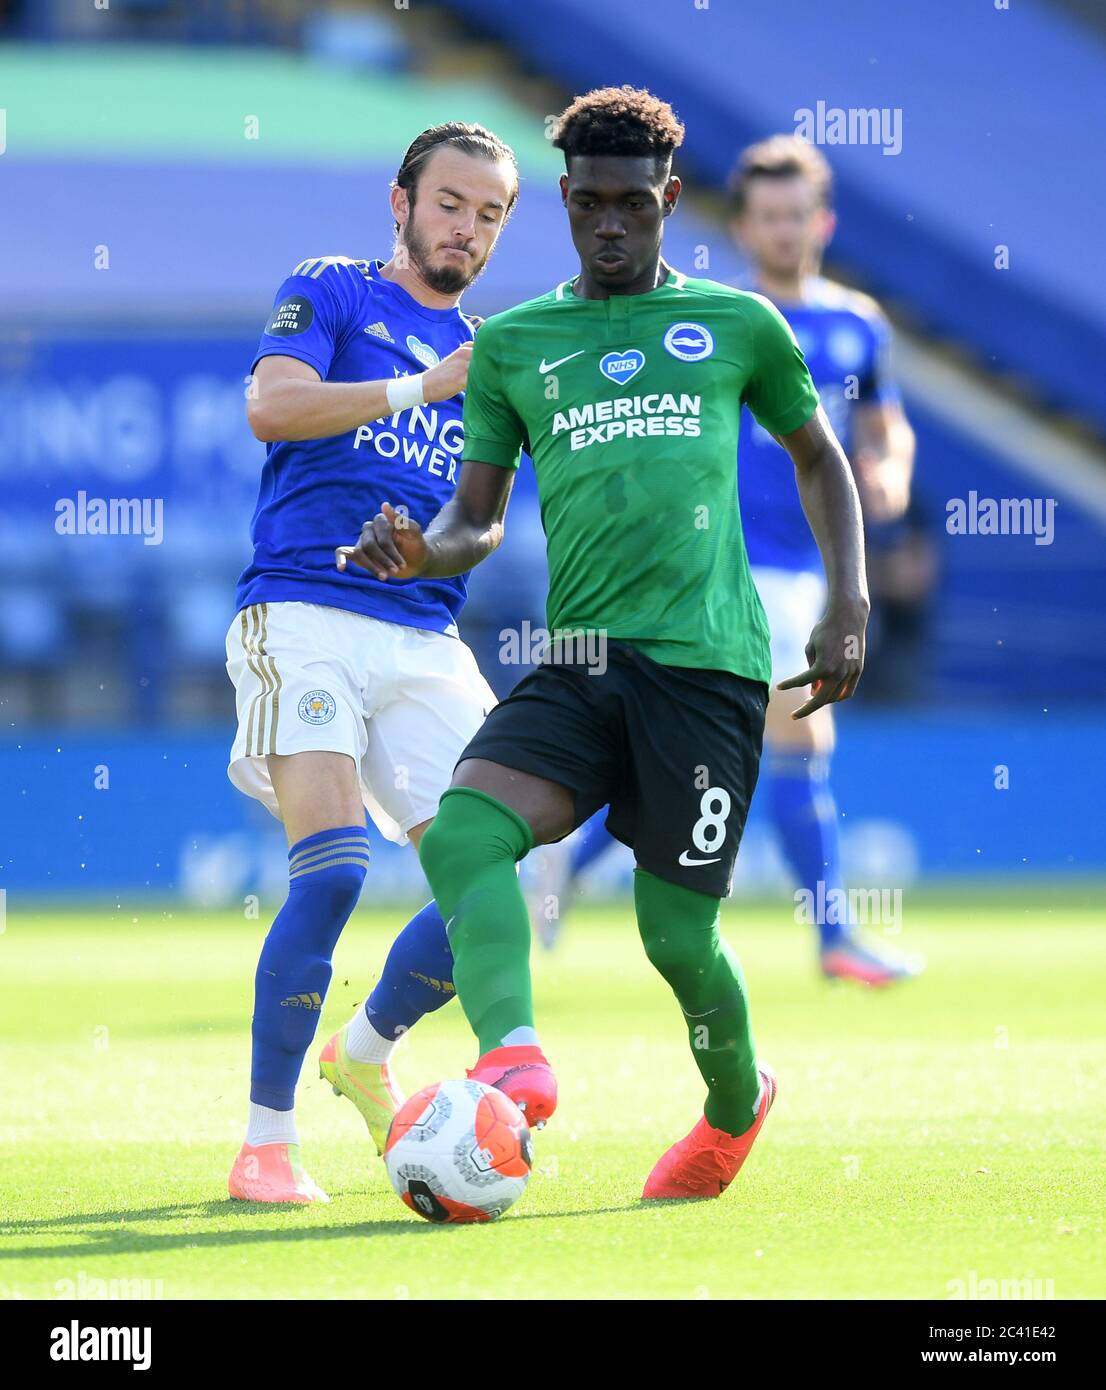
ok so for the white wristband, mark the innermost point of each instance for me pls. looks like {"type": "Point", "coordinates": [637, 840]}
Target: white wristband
{"type": "Point", "coordinates": [405, 391]}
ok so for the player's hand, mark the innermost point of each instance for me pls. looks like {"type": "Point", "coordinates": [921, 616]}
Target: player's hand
{"type": "Point", "coordinates": [835, 656]}
{"type": "Point", "coordinates": [449, 376]}
{"type": "Point", "coordinates": [392, 546]}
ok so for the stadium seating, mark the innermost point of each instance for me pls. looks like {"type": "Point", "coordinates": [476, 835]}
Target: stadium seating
{"type": "Point", "coordinates": [1000, 161]}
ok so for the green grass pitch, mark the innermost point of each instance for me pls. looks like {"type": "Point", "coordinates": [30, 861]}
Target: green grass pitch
{"type": "Point", "coordinates": [949, 1130]}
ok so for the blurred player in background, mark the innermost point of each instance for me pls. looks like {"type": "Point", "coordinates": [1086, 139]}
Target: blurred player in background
{"type": "Point", "coordinates": [351, 692]}
{"type": "Point", "coordinates": [783, 220]}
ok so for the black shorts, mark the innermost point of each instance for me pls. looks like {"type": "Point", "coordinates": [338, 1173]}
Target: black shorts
{"type": "Point", "coordinates": [673, 750]}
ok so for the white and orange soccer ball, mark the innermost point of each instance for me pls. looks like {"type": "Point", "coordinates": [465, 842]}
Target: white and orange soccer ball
{"type": "Point", "coordinates": [459, 1151]}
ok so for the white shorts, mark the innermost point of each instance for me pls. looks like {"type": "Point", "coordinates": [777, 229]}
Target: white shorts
{"type": "Point", "coordinates": [400, 701]}
{"type": "Point", "coordinates": [793, 600]}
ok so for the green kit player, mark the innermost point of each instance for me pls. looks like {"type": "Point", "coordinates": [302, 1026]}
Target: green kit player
{"type": "Point", "coordinates": [625, 386]}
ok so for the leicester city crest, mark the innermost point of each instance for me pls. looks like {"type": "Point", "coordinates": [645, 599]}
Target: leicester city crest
{"type": "Point", "coordinates": [317, 707]}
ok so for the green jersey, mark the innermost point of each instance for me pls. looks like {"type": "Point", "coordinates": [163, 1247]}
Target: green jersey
{"type": "Point", "coordinates": [629, 407]}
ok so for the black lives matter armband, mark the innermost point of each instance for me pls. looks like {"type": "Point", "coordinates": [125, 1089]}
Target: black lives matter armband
{"type": "Point", "coordinates": [291, 316]}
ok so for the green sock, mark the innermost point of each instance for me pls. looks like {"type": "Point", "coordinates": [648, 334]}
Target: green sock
{"type": "Point", "coordinates": [469, 855]}
{"type": "Point", "coordinates": [679, 930]}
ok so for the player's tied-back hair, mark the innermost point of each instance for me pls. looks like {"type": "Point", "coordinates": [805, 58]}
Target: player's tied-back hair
{"type": "Point", "coordinates": [620, 121]}
{"type": "Point", "coordinates": [465, 136]}
{"type": "Point", "coordinates": [781, 157]}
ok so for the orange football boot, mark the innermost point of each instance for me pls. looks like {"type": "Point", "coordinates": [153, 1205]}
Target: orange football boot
{"type": "Point", "coordinates": [523, 1074]}
{"type": "Point", "coordinates": [272, 1173]}
{"type": "Point", "coordinates": [706, 1161]}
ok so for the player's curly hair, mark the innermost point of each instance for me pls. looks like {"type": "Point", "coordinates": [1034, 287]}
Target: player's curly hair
{"type": "Point", "coordinates": [781, 157]}
{"type": "Point", "coordinates": [466, 136]}
{"type": "Point", "coordinates": [620, 121]}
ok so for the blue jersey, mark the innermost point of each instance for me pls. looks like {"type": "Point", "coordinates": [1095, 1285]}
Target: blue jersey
{"type": "Point", "coordinates": [845, 340]}
{"type": "Point", "coordinates": [349, 323]}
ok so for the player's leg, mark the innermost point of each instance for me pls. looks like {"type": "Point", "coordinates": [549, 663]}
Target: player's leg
{"type": "Point", "coordinates": [297, 750]}
{"type": "Point", "coordinates": [423, 706]}
{"type": "Point", "coordinates": [319, 795]}
{"type": "Point", "coordinates": [558, 868]}
{"type": "Point", "coordinates": [695, 739]}
{"type": "Point", "coordinates": [490, 818]}
{"type": "Point", "coordinates": [540, 764]}
{"type": "Point", "coordinates": [320, 801]}
{"type": "Point", "coordinates": [797, 752]}
{"type": "Point", "coordinates": [798, 755]}
{"type": "Point", "coordinates": [418, 727]}
{"type": "Point", "coordinates": [417, 979]}
{"type": "Point", "coordinates": [590, 843]}
{"type": "Point", "coordinates": [797, 761]}
{"type": "Point", "coordinates": [680, 932]}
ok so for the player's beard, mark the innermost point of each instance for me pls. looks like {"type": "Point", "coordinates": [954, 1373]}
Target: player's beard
{"type": "Point", "coordinates": [443, 279]}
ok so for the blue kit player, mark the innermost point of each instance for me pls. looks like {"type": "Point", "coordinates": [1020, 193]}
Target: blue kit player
{"type": "Point", "coordinates": [783, 220]}
{"type": "Point", "coordinates": [353, 693]}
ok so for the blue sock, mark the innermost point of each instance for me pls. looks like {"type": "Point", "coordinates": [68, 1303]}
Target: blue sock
{"type": "Point", "coordinates": [417, 976]}
{"type": "Point", "coordinates": [325, 874]}
{"type": "Point", "coordinates": [592, 840]}
{"type": "Point", "coordinates": [805, 818]}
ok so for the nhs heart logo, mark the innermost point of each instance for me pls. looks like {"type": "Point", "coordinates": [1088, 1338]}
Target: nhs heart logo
{"type": "Point", "coordinates": [622, 366]}
{"type": "Point", "coordinates": [423, 351]}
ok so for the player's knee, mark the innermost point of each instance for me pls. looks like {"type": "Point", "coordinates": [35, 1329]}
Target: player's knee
{"type": "Point", "coordinates": [326, 872]}
{"type": "Point", "coordinates": [680, 946]}
{"type": "Point", "coordinates": [660, 948]}
{"type": "Point", "coordinates": [323, 903]}
{"type": "Point", "coordinates": [661, 937]}
{"type": "Point", "coordinates": [442, 848]}
{"type": "Point", "coordinates": [677, 962]}
{"type": "Point", "coordinates": [339, 888]}
{"type": "Point", "coordinates": [467, 833]}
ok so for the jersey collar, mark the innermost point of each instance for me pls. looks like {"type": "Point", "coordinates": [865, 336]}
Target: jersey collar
{"type": "Point", "coordinates": [407, 302]}
{"type": "Point", "coordinates": [675, 279]}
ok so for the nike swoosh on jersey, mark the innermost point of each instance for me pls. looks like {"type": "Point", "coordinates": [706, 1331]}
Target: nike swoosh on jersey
{"type": "Point", "coordinates": [548, 366]}
{"type": "Point", "coordinates": [690, 863]}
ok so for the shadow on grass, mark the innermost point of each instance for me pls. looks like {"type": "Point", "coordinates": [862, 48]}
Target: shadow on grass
{"type": "Point", "coordinates": [111, 1232]}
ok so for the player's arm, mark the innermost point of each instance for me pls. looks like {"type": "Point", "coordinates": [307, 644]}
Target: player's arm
{"type": "Point", "coordinates": [470, 525]}
{"type": "Point", "coordinates": [781, 395]}
{"type": "Point", "coordinates": [289, 400]}
{"type": "Point", "coordinates": [882, 442]}
{"type": "Point", "coordinates": [835, 652]}
{"type": "Point", "coordinates": [466, 530]}
{"type": "Point", "coordinates": [883, 458]}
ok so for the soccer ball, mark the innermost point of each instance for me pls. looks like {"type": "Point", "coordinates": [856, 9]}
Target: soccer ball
{"type": "Point", "coordinates": [459, 1151]}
